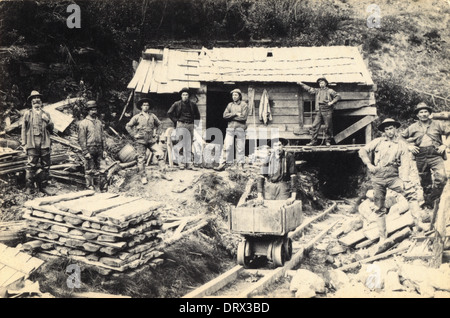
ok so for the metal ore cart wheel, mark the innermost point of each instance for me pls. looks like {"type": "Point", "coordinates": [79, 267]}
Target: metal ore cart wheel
{"type": "Point", "coordinates": [279, 253]}
{"type": "Point", "coordinates": [288, 248]}
{"type": "Point", "coordinates": [244, 254]}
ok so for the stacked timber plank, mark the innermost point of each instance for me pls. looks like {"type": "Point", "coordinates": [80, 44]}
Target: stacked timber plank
{"type": "Point", "coordinates": [14, 161]}
{"type": "Point", "coordinates": [113, 233]}
{"type": "Point", "coordinates": [15, 265]}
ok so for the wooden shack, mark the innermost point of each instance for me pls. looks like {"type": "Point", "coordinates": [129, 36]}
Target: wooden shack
{"type": "Point", "coordinates": [213, 73]}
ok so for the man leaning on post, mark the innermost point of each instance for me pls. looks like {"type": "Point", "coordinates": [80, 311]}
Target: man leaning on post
{"type": "Point", "coordinates": [326, 98]}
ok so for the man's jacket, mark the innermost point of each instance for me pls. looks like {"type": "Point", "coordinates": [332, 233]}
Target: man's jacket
{"type": "Point", "coordinates": [175, 111]}
{"type": "Point", "coordinates": [90, 134]}
{"type": "Point", "coordinates": [32, 125]}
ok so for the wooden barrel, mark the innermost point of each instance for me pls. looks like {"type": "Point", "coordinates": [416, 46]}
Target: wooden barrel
{"type": "Point", "coordinates": [127, 153]}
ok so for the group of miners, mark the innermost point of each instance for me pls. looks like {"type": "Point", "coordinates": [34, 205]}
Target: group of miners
{"type": "Point", "coordinates": [383, 156]}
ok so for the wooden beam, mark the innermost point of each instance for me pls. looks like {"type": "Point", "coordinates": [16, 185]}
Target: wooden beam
{"type": "Point", "coordinates": [364, 111]}
{"type": "Point", "coordinates": [353, 104]}
{"type": "Point", "coordinates": [354, 128]}
{"type": "Point", "coordinates": [440, 227]}
{"type": "Point", "coordinates": [216, 284]}
{"type": "Point", "coordinates": [368, 133]}
{"type": "Point", "coordinates": [373, 258]}
{"type": "Point", "coordinates": [300, 108]}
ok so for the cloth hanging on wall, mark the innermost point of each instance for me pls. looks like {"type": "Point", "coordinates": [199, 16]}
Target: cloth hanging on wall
{"type": "Point", "coordinates": [265, 114]}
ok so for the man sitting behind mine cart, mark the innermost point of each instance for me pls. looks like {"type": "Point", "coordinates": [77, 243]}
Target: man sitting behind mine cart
{"type": "Point", "coordinates": [277, 179]}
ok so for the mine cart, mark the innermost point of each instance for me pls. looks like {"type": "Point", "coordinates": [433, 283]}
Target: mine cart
{"type": "Point", "coordinates": [265, 230]}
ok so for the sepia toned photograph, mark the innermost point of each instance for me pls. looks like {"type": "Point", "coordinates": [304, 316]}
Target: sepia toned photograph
{"type": "Point", "coordinates": [225, 154]}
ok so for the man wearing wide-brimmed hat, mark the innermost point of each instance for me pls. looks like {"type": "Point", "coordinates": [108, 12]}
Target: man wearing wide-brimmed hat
{"type": "Point", "coordinates": [425, 138]}
{"type": "Point", "coordinates": [183, 114]}
{"type": "Point", "coordinates": [145, 128]}
{"type": "Point", "coordinates": [389, 152]}
{"type": "Point", "coordinates": [36, 128]}
{"type": "Point", "coordinates": [92, 143]}
{"type": "Point", "coordinates": [236, 114]}
{"type": "Point", "coordinates": [326, 98]}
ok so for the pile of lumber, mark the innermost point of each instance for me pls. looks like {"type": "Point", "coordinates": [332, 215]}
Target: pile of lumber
{"type": "Point", "coordinates": [115, 234]}
{"type": "Point", "coordinates": [14, 161]}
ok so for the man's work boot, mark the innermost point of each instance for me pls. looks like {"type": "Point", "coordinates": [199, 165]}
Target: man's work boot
{"type": "Point", "coordinates": [164, 176]}
{"type": "Point", "coordinates": [43, 189]}
{"type": "Point", "coordinates": [327, 143]}
{"type": "Point", "coordinates": [29, 188]}
{"type": "Point", "coordinates": [381, 222]}
{"type": "Point", "coordinates": [190, 166]}
{"type": "Point", "coordinates": [220, 167]}
{"type": "Point", "coordinates": [181, 166]}
{"type": "Point", "coordinates": [312, 143]}
{"type": "Point", "coordinates": [89, 182]}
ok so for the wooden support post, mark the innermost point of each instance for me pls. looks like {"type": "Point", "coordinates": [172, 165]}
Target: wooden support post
{"type": "Point", "coordinates": [368, 136]}
{"type": "Point", "coordinates": [300, 108]}
{"type": "Point", "coordinates": [440, 227]}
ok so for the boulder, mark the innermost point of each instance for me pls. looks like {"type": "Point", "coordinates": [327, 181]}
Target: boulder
{"type": "Point", "coordinates": [338, 279]}
{"type": "Point", "coordinates": [392, 282]}
{"type": "Point", "coordinates": [303, 280]}
{"type": "Point", "coordinates": [422, 276]}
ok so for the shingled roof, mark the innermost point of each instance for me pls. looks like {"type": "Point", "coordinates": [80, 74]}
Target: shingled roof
{"type": "Point", "coordinates": [168, 70]}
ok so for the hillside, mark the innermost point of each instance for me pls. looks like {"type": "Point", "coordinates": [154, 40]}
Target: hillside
{"type": "Point", "coordinates": [38, 51]}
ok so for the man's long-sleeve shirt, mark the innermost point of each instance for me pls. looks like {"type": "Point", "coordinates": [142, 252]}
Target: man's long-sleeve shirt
{"type": "Point", "coordinates": [236, 114]}
{"type": "Point", "coordinates": [142, 126]}
{"type": "Point", "coordinates": [386, 152]}
{"type": "Point", "coordinates": [422, 135]}
{"type": "Point", "coordinates": [323, 95]}
{"type": "Point", "coordinates": [90, 134]}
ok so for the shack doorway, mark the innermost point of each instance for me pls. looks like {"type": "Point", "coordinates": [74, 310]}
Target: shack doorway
{"type": "Point", "coordinates": [217, 102]}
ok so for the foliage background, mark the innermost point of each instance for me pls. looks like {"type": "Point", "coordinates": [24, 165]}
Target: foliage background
{"type": "Point", "coordinates": [409, 52]}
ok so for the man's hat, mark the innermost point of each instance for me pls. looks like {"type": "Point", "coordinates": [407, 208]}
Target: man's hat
{"type": "Point", "coordinates": [421, 106]}
{"type": "Point", "coordinates": [236, 90]}
{"type": "Point", "coordinates": [322, 79]}
{"type": "Point", "coordinates": [91, 104]}
{"type": "Point", "coordinates": [184, 90]}
{"type": "Point", "coordinates": [142, 101]}
{"type": "Point", "coordinates": [388, 122]}
{"type": "Point", "coordinates": [33, 94]}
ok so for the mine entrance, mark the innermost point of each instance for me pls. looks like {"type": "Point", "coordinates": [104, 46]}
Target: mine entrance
{"type": "Point", "coordinates": [339, 174]}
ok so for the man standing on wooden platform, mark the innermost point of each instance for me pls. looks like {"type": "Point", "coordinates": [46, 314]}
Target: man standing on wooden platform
{"type": "Point", "coordinates": [36, 128]}
{"type": "Point", "coordinates": [92, 143]}
{"type": "Point", "coordinates": [425, 138]}
{"type": "Point", "coordinates": [145, 127]}
{"type": "Point", "coordinates": [326, 98]}
{"type": "Point", "coordinates": [389, 152]}
{"type": "Point", "coordinates": [278, 175]}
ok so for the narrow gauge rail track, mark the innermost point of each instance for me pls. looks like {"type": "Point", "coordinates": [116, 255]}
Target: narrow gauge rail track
{"type": "Point", "coordinates": [218, 286]}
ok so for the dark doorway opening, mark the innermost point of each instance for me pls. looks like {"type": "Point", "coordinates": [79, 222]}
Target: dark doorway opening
{"type": "Point", "coordinates": [217, 102]}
